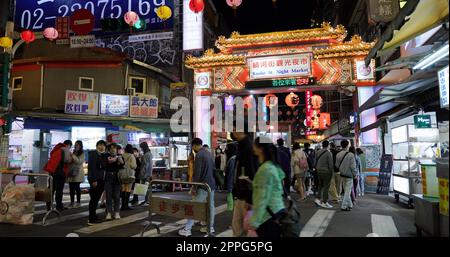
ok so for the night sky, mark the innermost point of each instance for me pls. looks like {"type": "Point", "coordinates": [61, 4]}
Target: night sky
{"type": "Point", "coordinates": [258, 16]}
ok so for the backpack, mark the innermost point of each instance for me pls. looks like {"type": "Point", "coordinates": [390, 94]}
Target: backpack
{"type": "Point", "coordinates": [55, 165]}
{"type": "Point", "coordinates": [303, 163]}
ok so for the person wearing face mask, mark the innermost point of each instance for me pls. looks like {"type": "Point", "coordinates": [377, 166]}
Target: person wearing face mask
{"type": "Point", "coordinates": [203, 173]}
{"type": "Point", "coordinates": [96, 177]}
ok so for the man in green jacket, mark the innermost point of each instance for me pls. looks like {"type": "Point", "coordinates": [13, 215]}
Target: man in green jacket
{"type": "Point", "coordinates": [325, 169]}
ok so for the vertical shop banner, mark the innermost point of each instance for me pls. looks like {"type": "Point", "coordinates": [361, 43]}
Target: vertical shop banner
{"type": "Point", "coordinates": [114, 105]}
{"type": "Point", "coordinates": [192, 28]}
{"type": "Point", "coordinates": [308, 95]}
{"type": "Point", "coordinates": [39, 14]}
{"type": "Point", "coordinates": [62, 26]}
{"type": "Point", "coordinates": [144, 106]}
{"type": "Point", "coordinates": [443, 87]}
{"type": "Point", "coordinates": [80, 102]}
{"type": "Point", "coordinates": [298, 65]}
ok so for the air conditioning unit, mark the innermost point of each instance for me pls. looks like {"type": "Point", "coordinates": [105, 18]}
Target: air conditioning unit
{"type": "Point", "coordinates": [131, 91]}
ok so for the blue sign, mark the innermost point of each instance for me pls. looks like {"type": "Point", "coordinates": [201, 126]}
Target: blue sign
{"type": "Point", "coordinates": [40, 14]}
{"type": "Point", "coordinates": [114, 105]}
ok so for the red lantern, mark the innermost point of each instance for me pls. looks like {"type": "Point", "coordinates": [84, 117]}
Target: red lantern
{"type": "Point", "coordinates": [268, 98]}
{"type": "Point", "coordinates": [316, 101]}
{"type": "Point", "coordinates": [292, 100]}
{"type": "Point", "coordinates": [197, 5]}
{"type": "Point", "coordinates": [51, 33]}
{"type": "Point", "coordinates": [28, 36]}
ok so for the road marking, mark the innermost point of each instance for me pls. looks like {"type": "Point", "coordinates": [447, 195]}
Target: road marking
{"type": "Point", "coordinates": [384, 226]}
{"type": "Point", "coordinates": [168, 228]}
{"type": "Point", "coordinates": [226, 233]}
{"type": "Point", "coordinates": [318, 223]}
{"type": "Point", "coordinates": [114, 223]}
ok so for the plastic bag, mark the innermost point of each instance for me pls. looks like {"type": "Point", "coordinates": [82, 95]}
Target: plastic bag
{"type": "Point", "coordinates": [20, 200]}
{"type": "Point", "coordinates": [230, 202]}
{"type": "Point", "coordinates": [140, 189]}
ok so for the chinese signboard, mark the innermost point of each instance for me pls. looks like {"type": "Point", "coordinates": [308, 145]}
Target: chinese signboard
{"type": "Point", "coordinates": [62, 26]}
{"type": "Point", "coordinates": [383, 10]}
{"type": "Point", "coordinates": [40, 14]}
{"type": "Point", "coordinates": [443, 87]}
{"type": "Point", "coordinates": [79, 102]}
{"type": "Point", "coordinates": [114, 105]}
{"type": "Point", "coordinates": [145, 106]}
{"type": "Point", "coordinates": [82, 41]}
{"type": "Point", "coordinates": [422, 121]}
{"type": "Point", "coordinates": [202, 80]}
{"type": "Point", "coordinates": [280, 82]}
{"type": "Point", "coordinates": [179, 209]}
{"type": "Point", "coordinates": [150, 37]}
{"type": "Point", "coordinates": [298, 65]}
{"type": "Point", "coordinates": [308, 95]}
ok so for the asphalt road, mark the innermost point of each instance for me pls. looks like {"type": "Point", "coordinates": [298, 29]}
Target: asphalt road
{"type": "Point", "coordinates": [374, 215]}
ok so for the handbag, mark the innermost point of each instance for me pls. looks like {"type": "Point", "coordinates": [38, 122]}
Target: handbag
{"type": "Point", "coordinates": [140, 189]}
{"type": "Point", "coordinates": [74, 170]}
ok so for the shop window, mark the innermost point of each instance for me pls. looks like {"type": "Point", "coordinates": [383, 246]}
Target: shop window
{"type": "Point", "coordinates": [138, 83]}
{"type": "Point", "coordinates": [85, 83]}
{"type": "Point", "coordinates": [17, 83]}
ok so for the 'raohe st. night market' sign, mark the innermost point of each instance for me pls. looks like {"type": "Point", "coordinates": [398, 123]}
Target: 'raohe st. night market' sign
{"type": "Point", "coordinates": [40, 14]}
{"type": "Point", "coordinates": [297, 65]}
{"type": "Point", "coordinates": [290, 82]}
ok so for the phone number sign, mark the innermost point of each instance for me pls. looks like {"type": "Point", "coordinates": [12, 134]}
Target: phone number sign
{"type": "Point", "coordinates": [40, 14]}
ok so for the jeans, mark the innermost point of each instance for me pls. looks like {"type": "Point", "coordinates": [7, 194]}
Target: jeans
{"type": "Point", "coordinates": [58, 188]}
{"type": "Point", "coordinates": [201, 197]}
{"type": "Point", "coordinates": [348, 187]}
{"type": "Point", "coordinates": [112, 191]}
{"type": "Point", "coordinates": [324, 186]}
{"type": "Point", "coordinates": [361, 183]}
{"type": "Point", "coordinates": [95, 193]}
{"type": "Point", "coordinates": [75, 188]}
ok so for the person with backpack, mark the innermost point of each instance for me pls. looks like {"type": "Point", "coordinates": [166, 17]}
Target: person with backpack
{"type": "Point", "coordinates": [146, 167]}
{"type": "Point", "coordinates": [346, 163]}
{"type": "Point", "coordinates": [127, 176]}
{"type": "Point", "coordinates": [325, 170]}
{"type": "Point", "coordinates": [58, 167]}
{"type": "Point", "coordinates": [96, 176]}
{"type": "Point", "coordinates": [76, 174]}
{"type": "Point", "coordinates": [299, 165]}
{"type": "Point", "coordinates": [267, 191]}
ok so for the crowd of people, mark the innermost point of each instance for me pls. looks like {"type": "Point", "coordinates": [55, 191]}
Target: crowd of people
{"type": "Point", "coordinates": [112, 175]}
{"type": "Point", "coordinates": [259, 176]}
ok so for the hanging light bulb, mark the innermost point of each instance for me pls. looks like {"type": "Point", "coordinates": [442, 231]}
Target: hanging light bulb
{"type": "Point", "coordinates": [274, 3]}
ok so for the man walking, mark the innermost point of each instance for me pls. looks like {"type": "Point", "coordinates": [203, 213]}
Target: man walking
{"type": "Point", "coordinates": [96, 177]}
{"type": "Point", "coordinates": [203, 173]}
{"type": "Point", "coordinates": [346, 163]}
{"type": "Point", "coordinates": [325, 170]}
{"type": "Point", "coordinates": [284, 157]}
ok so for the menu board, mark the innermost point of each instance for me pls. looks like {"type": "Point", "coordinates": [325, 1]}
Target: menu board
{"type": "Point", "coordinates": [384, 178]}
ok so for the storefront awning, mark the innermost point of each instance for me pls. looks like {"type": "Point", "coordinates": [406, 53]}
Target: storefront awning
{"type": "Point", "coordinates": [415, 18]}
{"type": "Point", "coordinates": [399, 93]}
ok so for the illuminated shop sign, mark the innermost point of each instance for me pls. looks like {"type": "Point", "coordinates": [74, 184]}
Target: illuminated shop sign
{"type": "Point", "coordinates": [290, 82]}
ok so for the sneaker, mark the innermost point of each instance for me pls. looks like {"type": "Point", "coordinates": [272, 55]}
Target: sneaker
{"type": "Point", "coordinates": [327, 205]}
{"type": "Point", "coordinates": [71, 205]}
{"type": "Point", "coordinates": [184, 232]}
{"type": "Point", "coordinates": [317, 202]}
{"type": "Point", "coordinates": [117, 216]}
{"type": "Point", "coordinates": [205, 230]}
{"type": "Point", "coordinates": [93, 222]}
{"type": "Point", "coordinates": [346, 209]}
{"type": "Point", "coordinates": [108, 216]}
{"type": "Point", "coordinates": [77, 205]}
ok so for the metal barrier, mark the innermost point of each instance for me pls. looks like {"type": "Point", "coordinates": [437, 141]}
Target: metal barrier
{"type": "Point", "coordinates": [42, 194]}
{"type": "Point", "coordinates": [178, 208]}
